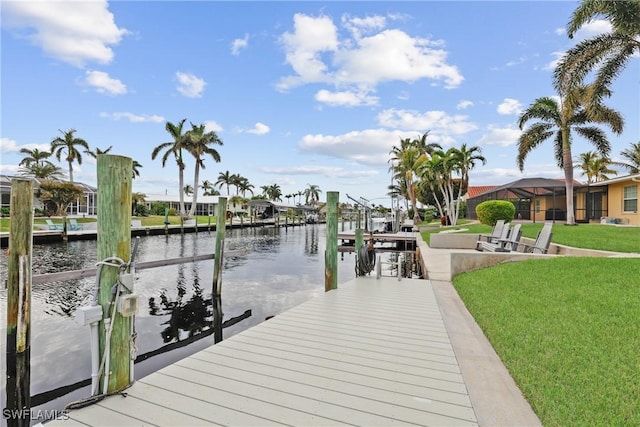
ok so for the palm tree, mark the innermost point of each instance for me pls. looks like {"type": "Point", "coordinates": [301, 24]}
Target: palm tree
{"type": "Point", "coordinates": [312, 193]}
{"type": "Point", "coordinates": [67, 144]}
{"type": "Point", "coordinates": [468, 159]}
{"type": "Point", "coordinates": [405, 162]}
{"type": "Point", "coordinates": [188, 189]}
{"type": "Point", "coordinates": [226, 179]}
{"type": "Point", "coordinates": [206, 186]}
{"type": "Point", "coordinates": [560, 121]}
{"type": "Point", "coordinates": [98, 151]}
{"type": "Point", "coordinates": [244, 185]}
{"type": "Point", "coordinates": [45, 170]}
{"type": "Point", "coordinates": [34, 156]}
{"type": "Point", "coordinates": [235, 180]}
{"type": "Point", "coordinates": [595, 167]}
{"type": "Point", "coordinates": [606, 54]}
{"type": "Point", "coordinates": [273, 192]}
{"type": "Point", "coordinates": [135, 169]}
{"type": "Point", "coordinates": [632, 155]}
{"type": "Point", "coordinates": [174, 148]}
{"type": "Point", "coordinates": [198, 145]}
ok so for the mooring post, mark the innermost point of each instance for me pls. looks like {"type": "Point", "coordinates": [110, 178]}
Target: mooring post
{"type": "Point", "coordinates": [19, 304]}
{"type": "Point", "coordinates": [358, 219]}
{"type": "Point", "coordinates": [114, 240]}
{"type": "Point", "coordinates": [221, 221]}
{"type": "Point", "coordinates": [359, 239]}
{"type": "Point", "coordinates": [331, 252]}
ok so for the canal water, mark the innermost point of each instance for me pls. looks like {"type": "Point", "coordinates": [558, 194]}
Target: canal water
{"type": "Point", "coordinates": [266, 271]}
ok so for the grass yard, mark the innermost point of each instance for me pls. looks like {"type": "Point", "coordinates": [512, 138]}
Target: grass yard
{"type": "Point", "coordinates": [567, 330]}
{"type": "Point", "coordinates": [588, 236]}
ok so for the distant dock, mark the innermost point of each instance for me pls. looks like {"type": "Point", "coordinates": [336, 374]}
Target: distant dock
{"type": "Point", "coordinates": [402, 240]}
{"type": "Point", "coordinates": [373, 352]}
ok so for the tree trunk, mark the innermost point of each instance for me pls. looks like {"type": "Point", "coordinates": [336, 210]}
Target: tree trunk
{"type": "Point", "coordinates": [568, 176]}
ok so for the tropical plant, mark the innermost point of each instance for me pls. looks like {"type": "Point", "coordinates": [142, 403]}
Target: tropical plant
{"type": "Point", "coordinates": [68, 145]}
{"type": "Point", "coordinates": [136, 199]}
{"type": "Point", "coordinates": [188, 190]}
{"type": "Point", "coordinates": [607, 54]}
{"type": "Point", "coordinates": [632, 155]}
{"type": "Point", "coordinates": [243, 185]}
{"type": "Point", "coordinates": [198, 145]}
{"type": "Point", "coordinates": [34, 156]}
{"type": "Point", "coordinates": [57, 196]}
{"type": "Point", "coordinates": [273, 192]}
{"type": "Point", "coordinates": [467, 159]}
{"type": "Point", "coordinates": [312, 194]}
{"type": "Point", "coordinates": [42, 171]}
{"type": "Point", "coordinates": [135, 169]}
{"type": "Point", "coordinates": [224, 179]}
{"type": "Point", "coordinates": [207, 188]}
{"type": "Point", "coordinates": [594, 166]}
{"type": "Point", "coordinates": [560, 121]}
{"type": "Point", "coordinates": [174, 148]}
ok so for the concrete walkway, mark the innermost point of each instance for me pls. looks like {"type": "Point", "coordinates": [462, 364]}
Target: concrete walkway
{"type": "Point", "coordinates": [495, 397]}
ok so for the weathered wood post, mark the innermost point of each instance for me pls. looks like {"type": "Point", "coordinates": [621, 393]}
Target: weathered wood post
{"type": "Point", "coordinates": [358, 219]}
{"type": "Point", "coordinates": [331, 252]}
{"type": "Point", "coordinates": [221, 221]}
{"type": "Point", "coordinates": [359, 244]}
{"type": "Point", "coordinates": [114, 239]}
{"type": "Point", "coordinates": [19, 304]}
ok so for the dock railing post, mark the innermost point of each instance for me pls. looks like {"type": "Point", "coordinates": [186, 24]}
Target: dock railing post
{"type": "Point", "coordinates": [359, 244]}
{"type": "Point", "coordinates": [331, 252]}
{"type": "Point", "coordinates": [114, 240]}
{"type": "Point", "coordinates": [19, 304]}
{"type": "Point", "coordinates": [221, 224]}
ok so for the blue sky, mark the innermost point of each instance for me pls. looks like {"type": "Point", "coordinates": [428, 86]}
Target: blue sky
{"type": "Point", "coordinates": [300, 92]}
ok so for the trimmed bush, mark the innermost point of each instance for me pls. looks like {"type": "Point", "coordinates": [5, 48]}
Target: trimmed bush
{"type": "Point", "coordinates": [492, 210]}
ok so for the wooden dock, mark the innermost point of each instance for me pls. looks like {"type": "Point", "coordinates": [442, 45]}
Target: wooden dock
{"type": "Point", "coordinates": [373, 352]}
{"type": "Point", "coordinates": [402, 240]}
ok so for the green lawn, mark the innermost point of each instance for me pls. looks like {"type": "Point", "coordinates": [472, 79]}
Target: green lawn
{"type": "Point", "coordinates": [567, 330]}
{"type": "Point", "coordinates": [588, 236]}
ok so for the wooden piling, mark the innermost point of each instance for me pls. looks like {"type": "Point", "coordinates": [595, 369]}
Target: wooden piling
{"type": "Point", "coordinates": [331, 252]}
{"type": "Point", "coordinates": [19, 304]}
{"type": "Point", "coordinates": [114, 239]}
{"type": "Point", "coordinates": [221, 220]}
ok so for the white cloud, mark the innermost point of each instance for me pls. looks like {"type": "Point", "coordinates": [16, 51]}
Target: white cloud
{"type": "Point", "coordinates": [133, 118]}
{"type": "Point", "coordinates": [593, 28]}
{"type": "Point", "coordinates": [557, 56]}
{"type": "Point", "coordinates": [258, 129]}
{"type": "Point", "coordinates": [104, 84]}
{"type": "Point", "coordinates": [560, 31]}
{"type": "Point", "coordinates": [325, 171]}
{"type": "Point", "coordinates": [11, 146]}
{"type": "Point", "coordinates": [438, 123]}
{"type": "Point", "coordinates": [504, 137]}
{"type": "Point", "coordinates": [189, 85]}
{"type": "Point", "coordinates": [509, 107]}
{"type": "Point", "coordinates": [75, 32]}
{"type": "Point", "coordinates": [349, 99]}
{"type": "Point", "coordinates": [464, 104]}
{"type": "Point", "coordinates": [239, 44]}
{"type": "Point", "coordinates": [211, 126]}
{"type": "Point", "coordinates": [367, 147]}
{"type": "Point", "coordinates": [359, 26]}
{"type": "Point", "coordinates": [317, 54]}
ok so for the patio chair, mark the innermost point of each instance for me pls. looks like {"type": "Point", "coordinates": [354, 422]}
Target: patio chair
{"type": "Point", "coordinates": [53, 226]}
{"type": "Point", "coordinates": [503, 245]}
{"type": "Point", "coordinates": [542, 243]}
{"type": "Point", "coordinates": [73, 225]}
{"type": "Point", "coordinates": [500, 231]}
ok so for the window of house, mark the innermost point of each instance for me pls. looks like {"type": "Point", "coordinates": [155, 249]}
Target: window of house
{"type": "Point", "coordinates": [630, 198]}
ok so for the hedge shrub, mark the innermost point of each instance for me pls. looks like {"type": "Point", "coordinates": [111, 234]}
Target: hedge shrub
{"type": "Point", "coordinates": [492, 210]}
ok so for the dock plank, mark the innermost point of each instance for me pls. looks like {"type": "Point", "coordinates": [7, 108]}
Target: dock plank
{"type": "Point", "coordinates": [373, 352]}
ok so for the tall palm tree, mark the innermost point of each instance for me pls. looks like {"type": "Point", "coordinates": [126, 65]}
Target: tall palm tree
{"type": "Point", "coordinates": [468, 159]}
{"type": "Point", "coordinates": [560, 121]}
{"type": "Point", "coordinates": [406, 160]}
{"type": "Point", "coordinates": [224, 179]}
{"type": "Point", "coordinates": [34, 156]}
{"type": "Point", "coordinates": [606, 54]}
{"type": "Point", "coordinates": [312, 193]}
{"type": "Point", "coordinates": [198, 145]}
{"type": "Point", "coordinates": [174, 148]}
{"type": "Point", "coordinates": [632, 155]}
{"type": "Point", "coordinates": [68, 145]}
{"type": "Point", "coordinates": [244, 185]}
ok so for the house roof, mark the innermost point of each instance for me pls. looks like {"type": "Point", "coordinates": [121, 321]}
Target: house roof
{"type": "Point", "coordinates": [633, 177]}
{"type": "Point", "coordinates": [5, 182]}
{"type": "Point", "coordinates": [475, 190]}
{"type": "Point", "coordinates": [527, 187]}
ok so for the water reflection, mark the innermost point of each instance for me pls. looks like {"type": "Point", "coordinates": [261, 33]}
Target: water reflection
{"type": "Point", "coordinates": [279, 268]}
{"type": "Point", "coordinates": [191, 316]}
